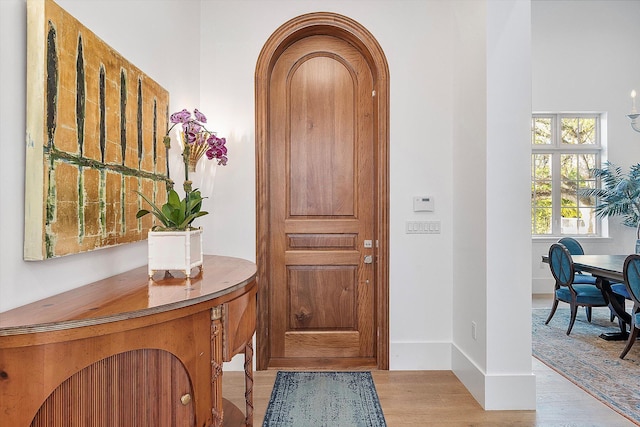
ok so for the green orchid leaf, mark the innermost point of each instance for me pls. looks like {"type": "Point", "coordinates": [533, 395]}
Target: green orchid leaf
{"type": "Point", "coordinates": [173, 199]}
{"type": "Point", "coordinates": [146, 199]}
{"type": "Point", "coordinates": [194, 203]}
{"type": "Point", "coordinates": [141, 213]}
{"type": "Point", "coordinates": [175, 214]}
{"type": "Point", "coordinates": [183, 208]}
{"type": "Point", "coordinates": [188, 220]}
{"type": "Point", "coordinates": [157, 212]}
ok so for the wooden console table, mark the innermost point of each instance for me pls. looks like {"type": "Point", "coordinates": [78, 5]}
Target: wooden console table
{"type": "Point", "coordinates": [129, 351]}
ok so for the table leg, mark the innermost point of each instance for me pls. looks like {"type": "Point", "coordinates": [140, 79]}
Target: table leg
{"type": "Point", "coordinates": [616, 303]}
{"type": "Point", "coordinates": [248, 371]}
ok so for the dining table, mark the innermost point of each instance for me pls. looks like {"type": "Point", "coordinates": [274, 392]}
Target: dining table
{"type": "Point", "coordinates": [607, 269]}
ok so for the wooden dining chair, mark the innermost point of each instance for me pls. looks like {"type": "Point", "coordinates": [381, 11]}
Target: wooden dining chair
{"type": "Point", "coordinates": [631, 274]}
{"type": "Point", "coordinates": [574, 294]}
{"type": "Point", "coordinates": [575, 248]}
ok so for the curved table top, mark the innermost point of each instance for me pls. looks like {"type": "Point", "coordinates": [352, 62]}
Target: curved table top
{"type": "Point", "coordinates": [130, 295]}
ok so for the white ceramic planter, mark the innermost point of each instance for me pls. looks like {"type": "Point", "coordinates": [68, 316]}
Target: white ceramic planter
{"type": "Point", "coordinates": [175, 250]}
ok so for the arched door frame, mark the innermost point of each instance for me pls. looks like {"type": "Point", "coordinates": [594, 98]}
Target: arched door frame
{"type": "Point", "coordinates": [336, 25]}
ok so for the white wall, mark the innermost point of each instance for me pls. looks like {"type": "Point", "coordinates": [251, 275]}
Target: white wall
{"type": "Point", "coordinates": [430, 118]}
{"type": "Point", "coordinates": [470, 195]}
{"type": "Point", "coordinates": [587, 58]}
{"type": "Point", "coordinates": [492, 92]}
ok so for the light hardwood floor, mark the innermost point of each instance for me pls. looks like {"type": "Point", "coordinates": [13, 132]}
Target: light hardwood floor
{"type": "Point", "coordinates": [438, 398]}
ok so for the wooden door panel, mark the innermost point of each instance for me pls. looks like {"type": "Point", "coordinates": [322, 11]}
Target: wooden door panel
{"type": "Point", "coordinates": [322, 241]}
{"type": "Point", "coordinates": [323, 344]}
{"type": "Point", "coordinates": [325, 226]}
{"type": "Point", "coordinates": [321, 140]}
{"type": "Point", "coordinates": [322, 297]}
{"type": "Point", "coordinates": [322, 258]}
{"type": "Point", "coordinates": [321, 183]}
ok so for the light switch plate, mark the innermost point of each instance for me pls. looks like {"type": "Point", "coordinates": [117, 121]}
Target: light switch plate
{"type": "Point", "coordinates": [423, 227]}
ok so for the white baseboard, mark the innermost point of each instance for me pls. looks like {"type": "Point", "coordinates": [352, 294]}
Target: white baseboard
{"type": "Point", "coordinates": [416, 356]}
{"type": "Point", "coordinates": [495, 392]}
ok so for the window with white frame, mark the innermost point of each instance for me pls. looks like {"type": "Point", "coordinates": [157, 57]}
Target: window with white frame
{"type": "Point", "coordinates": [565, 147]}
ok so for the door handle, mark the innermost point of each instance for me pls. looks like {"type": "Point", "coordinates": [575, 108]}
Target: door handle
{"type": "Point", "coordinates": [368, 259]}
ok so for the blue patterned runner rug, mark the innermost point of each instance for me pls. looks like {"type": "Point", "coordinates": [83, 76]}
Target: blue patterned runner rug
{"type": "Point", "coordinates": [319, 399]}
{"type": "Point", "coordinates": [589, 361]}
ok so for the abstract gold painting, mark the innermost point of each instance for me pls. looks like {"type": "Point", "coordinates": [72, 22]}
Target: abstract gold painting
{"type": "Point", "coordinates": [95, 125]}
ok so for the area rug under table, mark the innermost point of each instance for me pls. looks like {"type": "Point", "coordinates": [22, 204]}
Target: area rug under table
{"type": "Point", "coordinates": [589, 361]}
{"type": "Point", "coordinates": [317, 399]}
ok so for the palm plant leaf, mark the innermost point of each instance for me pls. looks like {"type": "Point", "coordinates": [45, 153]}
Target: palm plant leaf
{"type": "Point", "coordinates": [619, 193]}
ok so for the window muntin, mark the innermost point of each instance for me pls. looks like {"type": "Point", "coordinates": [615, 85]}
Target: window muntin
{"type": "Point", "coordinates": [564, 148]}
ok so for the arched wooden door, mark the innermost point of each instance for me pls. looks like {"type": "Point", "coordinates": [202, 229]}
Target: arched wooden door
{"type": "Point", "coordinates": [322, 196]}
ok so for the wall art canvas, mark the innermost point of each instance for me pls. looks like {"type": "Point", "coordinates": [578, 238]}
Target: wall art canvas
{"type": "Point", "coordinates": [95, 125]}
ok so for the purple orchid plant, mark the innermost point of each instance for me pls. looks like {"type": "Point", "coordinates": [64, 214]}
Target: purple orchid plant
{"type": "Point", "coordinates": [196, 134]}
{"type": "Point", "coordinates": [197, 141]}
